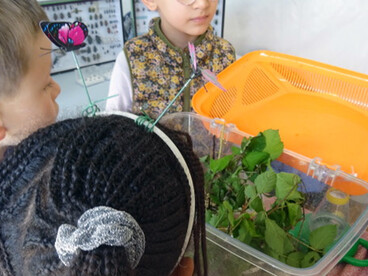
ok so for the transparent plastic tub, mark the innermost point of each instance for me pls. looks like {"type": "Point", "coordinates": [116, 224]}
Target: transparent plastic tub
{"type": "Point", "coordinates": [228, 256]}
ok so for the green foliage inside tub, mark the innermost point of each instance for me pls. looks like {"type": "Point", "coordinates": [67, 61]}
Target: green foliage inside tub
{"type": "Point", "coordinates": [249, 201]}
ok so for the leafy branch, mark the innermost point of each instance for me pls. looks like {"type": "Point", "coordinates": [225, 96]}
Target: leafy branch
{"type": "Point", "coordinates": [248, 200]}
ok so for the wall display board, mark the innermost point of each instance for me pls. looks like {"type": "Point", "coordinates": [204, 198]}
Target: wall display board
{"type": "Point", "coordinates": [104, 21]}
{"type": "Point", "coordinates": [143, 17]}
{"type": "Point", "coordinates": [129, 29]}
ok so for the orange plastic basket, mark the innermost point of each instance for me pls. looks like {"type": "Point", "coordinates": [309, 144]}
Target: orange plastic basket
{"type": "Point", "coordinates": [320, 110]}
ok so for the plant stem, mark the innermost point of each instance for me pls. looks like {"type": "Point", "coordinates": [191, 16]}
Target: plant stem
{"type": "Point", "coordinates": [302, 224]}
{"type": "Point", "coordinates": [221, 141]}
{"type": "Point", "coordinates": [219, 220]}
{"type": "Point", "coordinates": [236, 225]}
{"type": "Point", "coordinates": [283, 200]}
{"type": "Point", "coordinates": [303, 243]}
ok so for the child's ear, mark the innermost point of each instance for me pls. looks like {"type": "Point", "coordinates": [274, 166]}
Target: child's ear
{"type": "Point", "coordinates": [150, 4]}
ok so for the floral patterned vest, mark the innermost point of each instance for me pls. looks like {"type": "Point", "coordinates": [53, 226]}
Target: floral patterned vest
{"type": "Point", "coordinates": [159, 69]}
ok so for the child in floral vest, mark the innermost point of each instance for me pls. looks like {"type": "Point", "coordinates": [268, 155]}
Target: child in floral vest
{"type": "Point", "coordinates": [153, 67]}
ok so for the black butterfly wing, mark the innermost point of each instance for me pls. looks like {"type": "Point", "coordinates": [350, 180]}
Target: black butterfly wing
{"type": "Point", "coordinates": [65, 35]}
{"type": "Point", "coordinates": [51, 31]}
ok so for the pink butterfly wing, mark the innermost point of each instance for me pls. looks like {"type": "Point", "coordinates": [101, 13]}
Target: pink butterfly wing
{"type": "Point", "coordinates": [206, 74]}
{"type": "Point", "coordinates": [193, 58]}
{"type": "Point", "coordinates": [63, 34]}
{"type": "Point", "coordinates": [77, 35]}
{"type": "Point", "coordinates": [211, 77]}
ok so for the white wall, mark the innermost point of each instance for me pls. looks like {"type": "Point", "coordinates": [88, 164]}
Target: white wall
{"type": "Point", "coordinates": [329, 31]}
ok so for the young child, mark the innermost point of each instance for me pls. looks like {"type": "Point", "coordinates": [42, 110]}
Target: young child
{"type": "Point", "coordinates": [101, 196]}
{"type": "Point", "coordinates": [27, 92]}
{"type": "Point", "coordinates": [152, 68]}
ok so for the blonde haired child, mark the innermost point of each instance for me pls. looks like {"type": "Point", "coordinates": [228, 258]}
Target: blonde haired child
{"type": "Point", "coordinates": [153, 67]}
{"type": "Point", "coordinates": [27, 91]}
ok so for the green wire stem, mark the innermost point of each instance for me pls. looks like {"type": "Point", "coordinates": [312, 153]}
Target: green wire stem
{"type": "Point", "coordinates": [91, 108]}
{"type": "Point", "coordinates": [172, 101]}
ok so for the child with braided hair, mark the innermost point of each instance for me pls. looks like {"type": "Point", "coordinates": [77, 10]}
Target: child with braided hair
{"type": "Point", "coordinates": [27, 91]}
{"type": "Point", "coordinates": [101, 196]}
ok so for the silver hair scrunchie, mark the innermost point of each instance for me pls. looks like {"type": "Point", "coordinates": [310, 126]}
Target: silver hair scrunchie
{"type": "Point", "coordinates": [98, 226]}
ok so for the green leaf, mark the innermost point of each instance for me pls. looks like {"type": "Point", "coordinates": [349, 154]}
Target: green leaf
{"type": "Point", "coordinates": [294, 258]}
{"type": "Point", "coordinates": [245, 142]}
{"type": "Point", "coordinates": [274, 146]}
{"type": "Point", "coordinates": [243, 234]}
{"type": "Point", "coordinates": [220, 164]}
{"type": "Point", "coordinates": [295, 213]}
{"type": "Point", "coordinates": [208, 215]}
{"type": "Point", "coordinates": [247, 231]}
{"type": "Point", "coordinates": [235, 150]}
{"type": "Point", "coordinates": [240, 196]}
{"type": "Point", "coordinates": [269, 251]}
{"type": "Point", "coordinates": [274, 237]}
{"type": "Point", "coordinates": [204, 158]}
{"type": "Point", "coordinates": [220, 219]}
{"type": "Point", "coordinates": [266, 182]}
{"type": "Point", "coordinates": [323, 236]}
{"type": "Point", "coordinates": [252, 228]}
{"type": "Point", "coordinates": [257, 143]}
{"type": "Point", "coordinates": [310, 259]}
{"type": "Point", "coordinates": [216, 193]}
{"type": "Point", "coordinates": [261, 218]}
{"type": "Point", "coordinates": [279, 216]}
{"type": "Point", "coordinates": [250, 191]}
{"type": "Point", "coordinates": [254, 158]}
{"type": "Point", "coordinates": [235, 184]}
{"type": "Point", "coordinates": [227, 206]}
{"type": "Point", "coordinates": [286, 186]}
{"type": "Point", "coordinates": [277, 239]}
{"type": "Point", "coordinates": [257, 204]}
{"type": "Point", "coordinates": [243, 216]}
{"type": "Point", "coordinates": [255, 201]}
{"type": "Point", "coordinates": [230, 214]}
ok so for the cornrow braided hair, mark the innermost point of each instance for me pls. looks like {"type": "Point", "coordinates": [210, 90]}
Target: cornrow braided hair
{"type": "Point", "coordinates": [63, 170]}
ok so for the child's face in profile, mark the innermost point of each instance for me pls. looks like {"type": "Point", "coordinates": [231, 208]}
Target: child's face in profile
{"type": "Point", "coordinates": [33, 104]}
{"type": "Point", "coordinates": [181, 23]}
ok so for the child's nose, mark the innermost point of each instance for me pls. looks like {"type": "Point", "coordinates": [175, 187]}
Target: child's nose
{"type": "Point", "coordinates": [56, 90]}
{"type": "Point", "coordinates": [201, 4]}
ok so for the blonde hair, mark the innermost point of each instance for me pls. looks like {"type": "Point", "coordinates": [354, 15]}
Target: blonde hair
{"type": "Point", "coordinates": [19, 27]}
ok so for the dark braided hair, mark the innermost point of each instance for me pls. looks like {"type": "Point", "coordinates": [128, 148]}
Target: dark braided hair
{"type": "Point", "coordinates": [63, 170]}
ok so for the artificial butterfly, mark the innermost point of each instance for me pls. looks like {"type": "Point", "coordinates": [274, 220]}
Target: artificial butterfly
{"type": "Point", "coordinates": [206, 74]}
{"type": "Point", "coordinates": [65, 35]}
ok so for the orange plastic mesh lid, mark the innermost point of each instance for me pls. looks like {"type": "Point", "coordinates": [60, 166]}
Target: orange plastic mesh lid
{"type": "Point", "coordinates": [320, 110]}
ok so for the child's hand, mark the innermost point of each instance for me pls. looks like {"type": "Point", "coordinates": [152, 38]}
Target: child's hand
{"type": "Point", "coordinates": [184, 268]}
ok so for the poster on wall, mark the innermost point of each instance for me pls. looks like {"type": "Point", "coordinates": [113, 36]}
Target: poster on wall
{"type": "Point", "coordinates": [105, 30]}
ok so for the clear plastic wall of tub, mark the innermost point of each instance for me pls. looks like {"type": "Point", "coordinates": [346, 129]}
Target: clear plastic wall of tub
{"type": "Point", "coordinates": [229, 256]}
